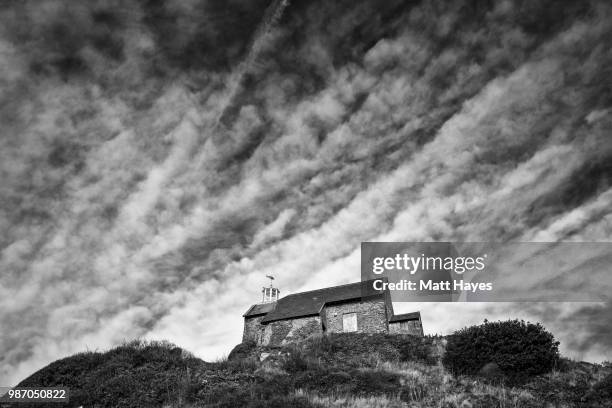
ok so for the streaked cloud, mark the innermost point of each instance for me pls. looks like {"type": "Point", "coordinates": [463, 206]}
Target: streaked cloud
{"type": "Point", "coordinates": [151, 178]}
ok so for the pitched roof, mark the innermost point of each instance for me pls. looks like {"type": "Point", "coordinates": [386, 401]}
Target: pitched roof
{"type": "Point", "coordinates": [260, 309]}
{"type": "Point", "coordinates": [405, 316]}
{"type": "Point", "coordinates": [310, 303]}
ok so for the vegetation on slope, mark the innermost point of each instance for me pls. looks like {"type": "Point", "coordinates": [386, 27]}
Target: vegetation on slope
{"type": "Point", "coordinates": [342, 370]}
{"type": "Point", "coordinates": [519, 349]}
{"type": "Point", "coordinates": [136, 374]}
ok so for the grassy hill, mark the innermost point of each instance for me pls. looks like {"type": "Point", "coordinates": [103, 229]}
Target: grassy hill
{"type": "Point", "coordinates": [343, 370]}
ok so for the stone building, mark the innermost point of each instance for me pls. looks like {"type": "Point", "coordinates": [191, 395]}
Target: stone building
{"type": "Point", "coordinates": [356, 307]}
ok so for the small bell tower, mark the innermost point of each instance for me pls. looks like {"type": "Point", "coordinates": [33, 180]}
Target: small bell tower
{"type": "Point", "coordinates": [270, 293]}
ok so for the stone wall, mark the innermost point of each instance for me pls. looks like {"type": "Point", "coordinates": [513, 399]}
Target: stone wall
{"type": "Point", "coordinates": [284, 331]}
{"type": "Point", "coordinates": [413, 327]}
{"type": "Point", "coordinates": [252, 329]}
{"type": "Point", "coordinates": [371, 316]}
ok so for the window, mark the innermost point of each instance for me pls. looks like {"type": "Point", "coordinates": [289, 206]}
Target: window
{"type": "Point", "coordinates": [349, 322]}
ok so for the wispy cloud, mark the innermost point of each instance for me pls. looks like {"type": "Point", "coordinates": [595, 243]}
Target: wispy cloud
{"type": "Point", "coordinates": [151, 178]}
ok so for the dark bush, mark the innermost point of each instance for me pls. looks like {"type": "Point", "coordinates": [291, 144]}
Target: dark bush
{"type": "Point", "coordinates": [134, 374]}
{"type": "Point", "coordinates": [242, 350]}
{"type": "Point", "coordinates": [417, 349]}
{"type": "Point", "coordinates": [520, 349]}
{"type": "Point", "coordinates": [362, 350]}
{"type": "Point", "coordinates": [352, 382]}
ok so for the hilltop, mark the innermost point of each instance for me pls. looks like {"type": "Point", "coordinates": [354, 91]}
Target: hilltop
{"type": "Point", "coordinates": [343, 370]}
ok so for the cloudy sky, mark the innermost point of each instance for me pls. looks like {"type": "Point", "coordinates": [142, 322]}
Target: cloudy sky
{"type": "Point", "coordinates": [159, 158]}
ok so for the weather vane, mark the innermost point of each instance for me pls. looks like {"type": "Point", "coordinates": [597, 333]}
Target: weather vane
{"type": "Point", "coordinates": [270, 294]}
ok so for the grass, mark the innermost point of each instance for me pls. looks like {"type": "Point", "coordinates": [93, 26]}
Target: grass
{"type": "Point", "coordinates": [332, 371]}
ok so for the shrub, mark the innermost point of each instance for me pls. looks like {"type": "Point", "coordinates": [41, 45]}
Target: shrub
{"type": "Point", "coordinates": [367, 350]}
{"type": "Point", "coordinates": [417, 349]}
{"type": "Point", "coordinates": [134, 374]}
{"type": "Point", "coordinates": [520, 349]}
{"type": "Point", "coordinates": [242, 350]}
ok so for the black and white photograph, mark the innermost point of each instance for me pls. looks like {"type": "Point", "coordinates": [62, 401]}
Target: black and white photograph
{"type": "Point", "coordinates": [305, 203]}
